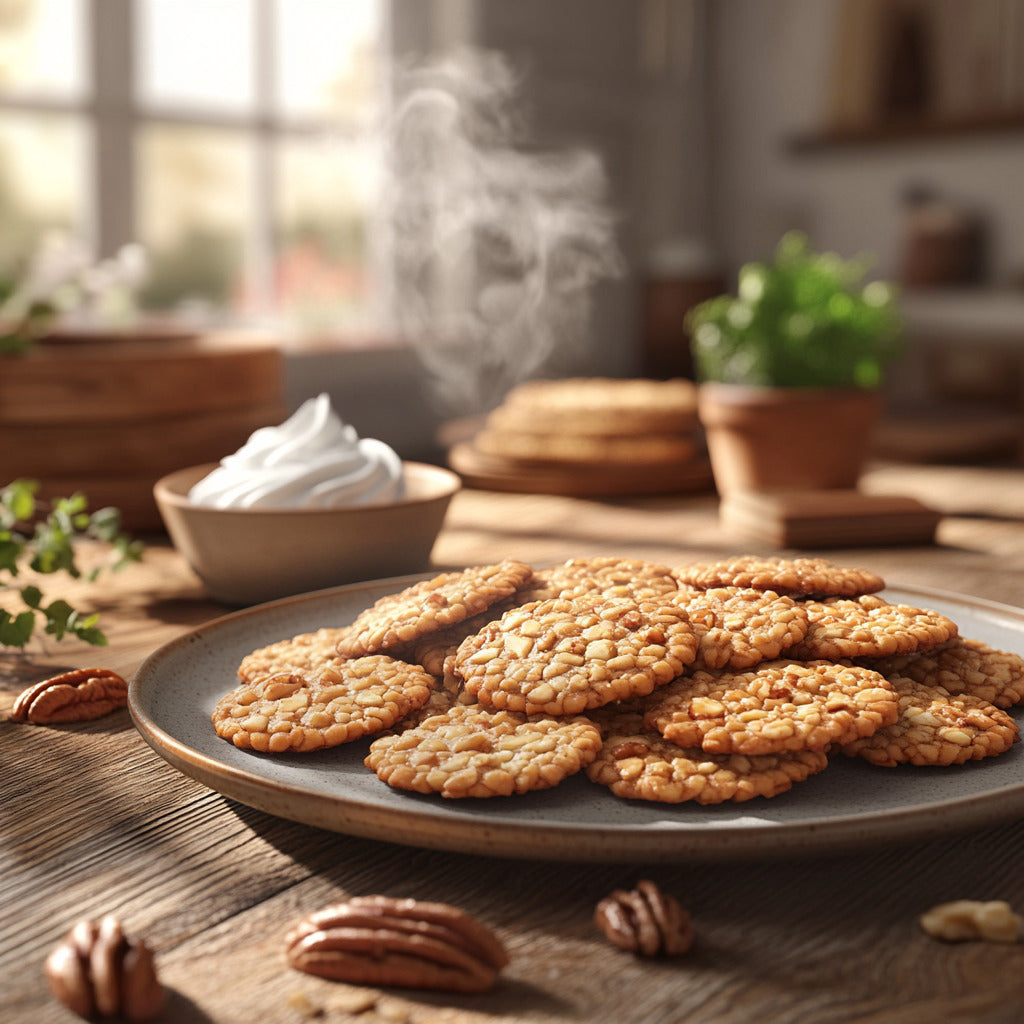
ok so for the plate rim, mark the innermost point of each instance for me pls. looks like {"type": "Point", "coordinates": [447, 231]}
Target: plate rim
{"type": "Point", "coordinates": [529, 840]}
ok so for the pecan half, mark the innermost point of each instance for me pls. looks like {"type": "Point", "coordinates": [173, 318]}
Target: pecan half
{"type": "Point", "coordinates": [75, 696]}
{"type": "Point", "coordinates": [645, 921]}
{"type": "Point", "coordinates": [377, 940]}
{"type": "Point", "coordinates": [97, 971]}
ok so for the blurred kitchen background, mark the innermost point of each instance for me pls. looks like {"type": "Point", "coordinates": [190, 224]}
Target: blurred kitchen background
{"type": "Point", "coordinates": [420, 202]}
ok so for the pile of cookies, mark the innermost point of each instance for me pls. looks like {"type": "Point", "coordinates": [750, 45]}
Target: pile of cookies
{"type": "Point", "coordinates": [586, 435]}
{"type": "Point", "coordinates": [707, 683]}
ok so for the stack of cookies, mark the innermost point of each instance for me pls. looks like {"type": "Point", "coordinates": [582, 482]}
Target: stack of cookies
{"type": "Point", "coordinates": [698, 683]}
{"type": "Point", "coordinates": [590, 436]}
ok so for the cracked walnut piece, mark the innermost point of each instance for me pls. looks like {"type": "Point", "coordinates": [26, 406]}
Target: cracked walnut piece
{"type": "Point", "coordinates": [645, 921]}
{"type": "Point", "coordinates": [97, 970]}
{"type": "Point", "coordinates": [377, 940]}
{"type": "Point", "coordinates": [962, 920]}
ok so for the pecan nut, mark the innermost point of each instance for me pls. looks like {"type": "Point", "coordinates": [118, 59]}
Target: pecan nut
{"type": "Point", "coordinates": [97, 971]}
{"type": "Point", "coordinates": [75, 696]}
{"type": "Point", "coordinates": [645, 921]}
{"type": "Point", "coordinates": [377, 940]}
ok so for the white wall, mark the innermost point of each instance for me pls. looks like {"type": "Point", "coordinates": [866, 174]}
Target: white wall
{"type": "Point", "coordinates": [769, 79]}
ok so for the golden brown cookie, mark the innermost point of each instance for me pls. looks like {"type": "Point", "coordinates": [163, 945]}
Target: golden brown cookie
{"type": "Point", "coordinates": [776, 706]}
{"type": "Point", "coordinates": [472, 752]}
{"type": "Point", "coordinates": [608, 576]}
{"type": "Point", "coordinates": [552, 449]}
{"type": "Point", "coordinates": [598, 406]}
{"type": "Point", "coordinates": [300, 654]}
{"type": "Point", "coordinates": [562, 657]}
{"type": "Point", "coordinates": [431, 605]}
{"type": "Point", "coordinates": [434, 649]}
{"type": "Point", "coordinates": [869, 626]}
{"type": "Point", "coordinates": [795, 577]}
{"type": "Point", "coordinates": [962, 666]}
{"type": "Point", "coordinates": [295, 713]}
{"type": "Point", "coordinates": [739, 627]}
{"type": "Point", "coordinates": [439, 703]}
{"type": "Point", "coordinates": [936, 728]}
{"type": "Point", "coordinates": [638, 764]}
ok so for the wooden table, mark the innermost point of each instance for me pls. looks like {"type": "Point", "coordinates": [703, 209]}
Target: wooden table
{"type": "Point", "coordinates": [93, 822]}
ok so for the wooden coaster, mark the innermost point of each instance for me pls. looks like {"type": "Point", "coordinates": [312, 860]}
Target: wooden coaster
{"type": "Point", "coordinates": [839, 518]}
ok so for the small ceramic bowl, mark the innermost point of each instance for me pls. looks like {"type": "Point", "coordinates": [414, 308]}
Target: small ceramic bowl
{"type": "Point", "coordinates": [246, 556]}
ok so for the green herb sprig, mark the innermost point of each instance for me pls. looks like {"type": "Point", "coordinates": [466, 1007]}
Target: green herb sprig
{"type": "Point", "coordinates": [42, 537]}
{"type": "Point", "coordinates": [803, 319]}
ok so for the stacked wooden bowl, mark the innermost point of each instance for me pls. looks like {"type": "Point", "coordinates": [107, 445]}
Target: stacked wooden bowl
{"type": "Point", "coordinates": [589, 436]}
{"type": "Point", "coordinates": [108, 415]}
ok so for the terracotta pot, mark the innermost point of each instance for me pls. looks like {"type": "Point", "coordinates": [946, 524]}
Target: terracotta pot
{"type": "Point", "coordinates": [763, 438]}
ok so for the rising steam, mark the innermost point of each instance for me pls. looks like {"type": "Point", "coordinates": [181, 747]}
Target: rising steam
{"type": "Point", "coordinates": [496, 246]}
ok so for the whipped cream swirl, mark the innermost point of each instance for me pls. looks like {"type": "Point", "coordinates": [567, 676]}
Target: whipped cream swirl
{"type": "Point", "coordinates": [312, 460]}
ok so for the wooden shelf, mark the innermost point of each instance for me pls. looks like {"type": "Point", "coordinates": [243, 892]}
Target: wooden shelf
{"type": "Point", "coordinates": [901, 130]}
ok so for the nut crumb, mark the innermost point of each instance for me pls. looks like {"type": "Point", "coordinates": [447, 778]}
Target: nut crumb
{"type": "Point", "coordinates": [353, 1000]}
{"type": "Point", "coordinates": [301, 1003]}
{"type": "Point", "coordinates": [963, 920]}
{"type": "Point", "coordinates": [393, 1013]}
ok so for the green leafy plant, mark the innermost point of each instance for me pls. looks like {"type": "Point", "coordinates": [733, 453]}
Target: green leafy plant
{"type": "Point", "coordinates": [805, 319]}
{"type": "Point", "coordinates": [42, 537]}
{"type": "Point", "coordinates": [58, 279]}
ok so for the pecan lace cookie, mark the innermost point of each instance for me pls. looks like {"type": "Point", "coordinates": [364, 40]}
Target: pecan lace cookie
{"type": "Point", "coordinates": [607, 576]}
{"type": "Point", "coordinates": [937, 728]}
{"type": "Point", "coordinates": [739, 627]}
{"type": "Point", "coordinates": [430, 605]}
{"type": "Point", "coordinates": [777, 706]}
{"type": "Point", "coordinates": [527, 446]}
{"type": "Point", "coordinates": [434, 650]}
{"type": "Point", "coordinates": [471, 752]}
{"type": "Point", "coordinates": [562, 657]}
{"type": "Point", "coordinates": [962, 666]}
{"type": "Point", "coordinates": [869, 626]}
{"type": "Point", "coordinates": [294, 713]}
{"type": "Point", "coordinates": [300, 654]}
{"type": "Point", "coordinates": [597, 406]}
{"type": "Point", "coordinates": [636, 763]}
{"type": "Point", "coordinates": [795, 577]}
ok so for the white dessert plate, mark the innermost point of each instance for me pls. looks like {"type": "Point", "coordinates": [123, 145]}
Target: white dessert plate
{"type": "Point", "coordinates": [850, 804]}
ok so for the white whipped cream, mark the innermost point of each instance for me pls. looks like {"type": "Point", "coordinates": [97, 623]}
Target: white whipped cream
{"type": "Point", "coordinates": [312, 460]}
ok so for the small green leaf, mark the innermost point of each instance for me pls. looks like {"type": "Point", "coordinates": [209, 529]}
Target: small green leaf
{"type": "Point", "coordinates": [87, 630]}
{"type": "Point", "coordinates": [19, 500]}
{"type": "Point", "coordinates": [16, 630]}
{"type": "Point", "coordinates": [59, 618]}
{"type": "Point", "coordinates": [32, 596]}
{"type": "Point", "coordinates": [10, 551]}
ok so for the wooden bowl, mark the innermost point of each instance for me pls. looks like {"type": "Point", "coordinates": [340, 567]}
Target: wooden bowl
{"type": "Point", "coordinates": [247, 556]}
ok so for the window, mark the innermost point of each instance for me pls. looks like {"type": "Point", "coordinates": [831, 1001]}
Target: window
{"type": "Point", "coordinates": [232, 138]}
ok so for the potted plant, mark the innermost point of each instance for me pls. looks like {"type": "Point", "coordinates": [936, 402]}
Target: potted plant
{"type": "Point", "coordinates": [790, 370]}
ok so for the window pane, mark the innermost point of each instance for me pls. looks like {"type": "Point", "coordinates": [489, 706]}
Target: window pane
{"type": "Point", "coordinates": [194, 205]}
{"type": "Point", "coordinates": [42, 48]}
{"type": "Point", "coordinates": [325, 193]}
{"type": "Point", "coordinates": [198, 55]}
{"type": "Point", "coordinates": [42, 161]}
{"type": "Point", "coordinates": [328, 57]}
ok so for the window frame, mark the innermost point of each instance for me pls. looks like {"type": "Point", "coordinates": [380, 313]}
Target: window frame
{"type": "Point", "coordinates": [114, 117]}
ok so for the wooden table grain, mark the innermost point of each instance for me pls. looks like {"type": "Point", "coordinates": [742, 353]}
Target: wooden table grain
{"type": "Point", "coordinates": [93, 822]}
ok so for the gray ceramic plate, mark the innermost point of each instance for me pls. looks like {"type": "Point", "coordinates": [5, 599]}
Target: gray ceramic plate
{"type": "Point", "coordinates": [850, 804]}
